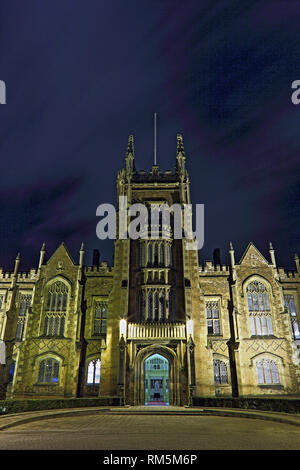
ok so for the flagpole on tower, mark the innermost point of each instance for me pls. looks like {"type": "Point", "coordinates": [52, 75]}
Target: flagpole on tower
{"type": "Point", "coordinates": [155, 139]}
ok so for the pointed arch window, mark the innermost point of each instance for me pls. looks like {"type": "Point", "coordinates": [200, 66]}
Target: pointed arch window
{"type": "Point", "coordinates": [220, 372]}
{"type": "Point", "coordinates": [93, 372]}
{"type": "Point", "coordinates": [267, 372]}
{"type": "Point", "coordinates": [48, 371]}
{"type": "Point", "coordinates": [259, 309]}
{"type": "Point", "coordinates": [56, 308]}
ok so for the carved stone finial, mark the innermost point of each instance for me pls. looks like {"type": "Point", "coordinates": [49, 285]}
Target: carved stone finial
{"type": "Point", "coordinates": [180, 148]}
{"type": "Point", "coordinates": [130, 146]}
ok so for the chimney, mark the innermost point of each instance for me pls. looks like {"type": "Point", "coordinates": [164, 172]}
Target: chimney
{"type": "Point", "coordinates": [96, 258]}
{"type": "Point", "coordinates": [217, 256]}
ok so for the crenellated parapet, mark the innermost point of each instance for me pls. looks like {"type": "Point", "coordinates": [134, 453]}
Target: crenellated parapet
{"type": "Point", "coordinates": [102, 270]}
{"type": "Point", "coordinates": [27, 276]}
{"type": "Point", "coordinates": [210, 269]}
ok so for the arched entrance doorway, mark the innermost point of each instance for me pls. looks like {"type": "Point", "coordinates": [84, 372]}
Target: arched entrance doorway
{"type": "Point", "coordinates": [157, 383]}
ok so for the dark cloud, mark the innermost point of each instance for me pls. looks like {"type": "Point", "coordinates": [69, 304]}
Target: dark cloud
{"type": "Point", "coordinates": [81, 76]}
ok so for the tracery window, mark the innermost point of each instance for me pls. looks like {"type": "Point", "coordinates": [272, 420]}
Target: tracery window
{"type": "Point", "coordinates": [162, 308]}
{"type": "Point", "coordinates": [161, 255]}
{"type": "Point", "coordinates": [259, 309]}
{"type": "Point", "coordinates": [25, 303]}
{"type": "Point", "coordinates": [100, 318]}
{"type": "Point", "coordinates": [48, 371]}
{"type": "Point", "coordinates": [156, 304]}
{"type": "Point", "coordinates": [169, 255]}
{"type": "Point", "coordinates": [267, 372]}
{"type": "Point", "coordinates": [157, 363]}
{"type": "Point", "coordinates": [220, 372]}
{"type": "Point", "coordinates": [289, 303]}
{"type": "Point", "coordinates": [56, 309]}
{"type": "Point", "coordinates": [93, 372]}
{"type": "Point", "coordinates": [1, 300]}
{"type": "Point", "coordinates": [213, 317]}
{"type": "Point", "coordinates": [158, 254]}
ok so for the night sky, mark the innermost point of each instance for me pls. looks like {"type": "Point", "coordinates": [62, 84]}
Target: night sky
{"type": "Point", "coordinates": [83, 75]}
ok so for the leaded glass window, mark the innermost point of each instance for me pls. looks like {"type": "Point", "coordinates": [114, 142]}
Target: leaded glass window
{"type": "Point", "coordinates": [289, 303]}
{"type": "Point", "coordinates": [56, 307]}
{"type": "Point", "coordinates": [100, 318]}
{"type": "Point", "coordinates": [169, 255]}
{"type": "Point", "coordinates": [156, 306]}
{"type": "Point", "coordinates": [161, 254]}
{"type": "Point", "coordinates": [48, 371]}
{"type": "Point", "coordinates": [267, 372]}
{"type": "Point", "coordinates": [149, 254]}
{"type": "Point", "coordinates": [220, 372]}
{"type": "Point", "coordinates": [25, 303]}
{"type": "Point", "coordinates": [213, 318]}
{"type": "Point", "coordinates": [155, 254]}
{"type": "Point", "coordinates": [93, 372]}
{"type": "Point", "coordinates": [162, 306]}
{"type": "Point", "coordinates": [259, 309]}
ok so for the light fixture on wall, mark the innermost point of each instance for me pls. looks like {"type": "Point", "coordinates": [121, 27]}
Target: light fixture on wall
{"type": "Point", "coordinates": [123, 328]}
{"type": "Point", "coordinates": [190, 328]}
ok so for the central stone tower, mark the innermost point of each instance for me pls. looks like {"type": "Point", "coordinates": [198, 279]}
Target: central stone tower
{"type": "Point", "coordinates": [150, 301]}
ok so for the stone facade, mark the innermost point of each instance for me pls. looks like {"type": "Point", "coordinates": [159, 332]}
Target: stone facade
{"type": "Point", "coordinates": [73, 330]}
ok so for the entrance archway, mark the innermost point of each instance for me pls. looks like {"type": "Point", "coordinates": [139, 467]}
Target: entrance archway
{"type": "Point", "coordinates": [157, 383]}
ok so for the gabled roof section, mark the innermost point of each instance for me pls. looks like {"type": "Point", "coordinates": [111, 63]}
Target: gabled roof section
{"type": "Point", "coordinates": [61, 254]}
{"type": "Point", "coordinates": [252, 257]}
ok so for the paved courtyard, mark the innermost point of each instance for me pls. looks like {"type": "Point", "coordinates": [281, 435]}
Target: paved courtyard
{"type": "Point", "coordinates": [157, 432]}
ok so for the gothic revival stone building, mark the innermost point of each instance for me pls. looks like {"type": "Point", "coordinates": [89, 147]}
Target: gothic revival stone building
{"type": "Point", "coordinates": [157, 327]}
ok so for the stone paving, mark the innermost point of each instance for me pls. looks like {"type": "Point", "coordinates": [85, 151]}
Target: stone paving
{"type": "Point", "coordinates": [141, 428]}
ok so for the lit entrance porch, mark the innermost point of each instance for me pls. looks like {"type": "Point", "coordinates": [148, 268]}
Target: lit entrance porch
{"type": "Point", "coordinates": [156, 376]}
